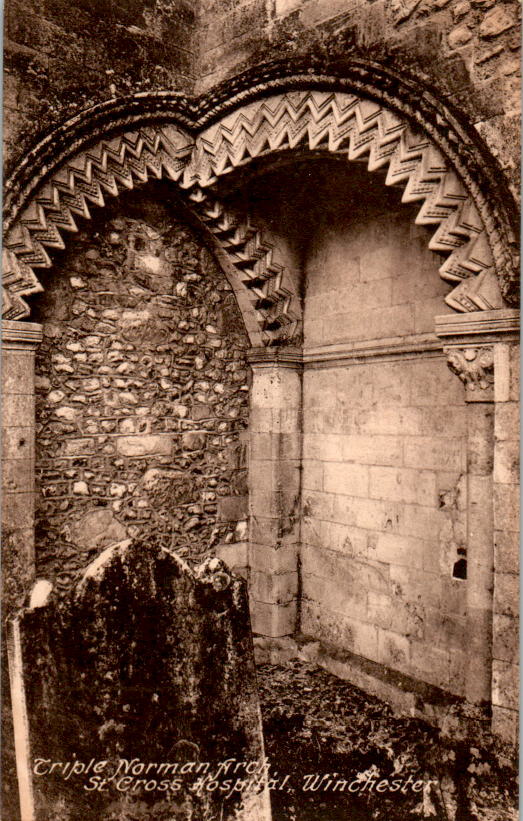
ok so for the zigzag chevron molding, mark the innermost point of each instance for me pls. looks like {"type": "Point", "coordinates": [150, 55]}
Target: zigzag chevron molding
{"type": "Point", "coordinates": [106, 168]}
{"type": "Point", "coordinates": [333, 121]}
{"type": "Point", "coordinates": [273, 294]}
{"type": "Point", "coordinates": [362, 130]}
{"type": "Point", "coordinates": [122, 163]}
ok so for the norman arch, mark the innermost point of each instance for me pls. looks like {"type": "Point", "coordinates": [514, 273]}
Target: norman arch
{"type": "Point", "coordinates": [157, 135]}
{"type": "Point", "coordinates": [422, 149]}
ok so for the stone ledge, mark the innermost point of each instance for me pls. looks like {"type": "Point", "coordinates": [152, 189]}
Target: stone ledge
{"type": "Point", "coordinates": [485, 323]}
{"type": "Point", "coordinates": [358, 352]}
{"type": "Point", "coordinates": [289, 357]}
{"type": "Point", "coordinates": [406, 695]}
{"type": "Point", "coordinates": [459, 327]}
{"type": "Point", "coordinates": [20, 333]}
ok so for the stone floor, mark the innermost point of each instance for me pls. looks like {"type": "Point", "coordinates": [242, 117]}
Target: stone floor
{"type": "Point", "coordinates": [318, 725]}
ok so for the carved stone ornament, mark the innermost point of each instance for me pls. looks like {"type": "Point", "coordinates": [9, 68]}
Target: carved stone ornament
{"type": "Point", "coordinates": [46, 207]}
{"type": "Point", "coordinates": [474, 366]}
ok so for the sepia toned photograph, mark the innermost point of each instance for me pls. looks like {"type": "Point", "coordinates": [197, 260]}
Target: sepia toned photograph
{"type": "Point", "coordinates": [260, 409]}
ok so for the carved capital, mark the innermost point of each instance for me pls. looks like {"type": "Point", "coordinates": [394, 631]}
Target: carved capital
{"type": "Point", "coordinates": [475, 367]}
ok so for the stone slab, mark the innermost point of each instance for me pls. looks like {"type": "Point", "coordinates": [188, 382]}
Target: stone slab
{"type": "Point", "coordinates": [147, 663]}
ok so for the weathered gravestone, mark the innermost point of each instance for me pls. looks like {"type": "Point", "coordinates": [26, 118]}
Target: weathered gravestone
{"type": "Point", "coordinates": [135, 700]}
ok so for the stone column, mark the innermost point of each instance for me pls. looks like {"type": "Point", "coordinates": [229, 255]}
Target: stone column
{"type": "Point", "coordinates": [475, 367]}
{"type": "Point", "coordinates": [274, 489]}
{"type": "Point", "coordinates": [505, 633]}
{"type": "Point", "coordinates": [19, 342]}
{"type": "Point", "coordinates": [480, 348]}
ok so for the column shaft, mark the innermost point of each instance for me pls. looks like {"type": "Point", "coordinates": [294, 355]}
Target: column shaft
{"type": "Point", "coordinates": [274, 490]}
{"type": "Point", "coordinates": [19, 341]}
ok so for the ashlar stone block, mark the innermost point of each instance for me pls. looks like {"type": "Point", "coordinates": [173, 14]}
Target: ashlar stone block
{"type": "Point", "coordinates": [505, 723]}
{"type": "Point", "coordinates": [273, 588]}
{"type": "Point", "coordinates": [273, 620]}
{"type": "Point", "coordinates": [403, 485]}
{"type": "Point", "coordinates": [505, 684]}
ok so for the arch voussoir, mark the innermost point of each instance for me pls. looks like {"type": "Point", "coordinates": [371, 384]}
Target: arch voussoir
{"type": "Point", "coordinates": [106, 169]}
{"type": "Point", "coordinates": [195, 159]}
{"type": "Point", "coordinates": [362, 129]}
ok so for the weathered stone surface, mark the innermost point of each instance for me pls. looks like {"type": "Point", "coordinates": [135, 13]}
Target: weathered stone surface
{"type": "Point", "coordinates": [235, 556]}
{"type": "Point", "coordinates": [400, 427]}
{"type": "Point", "coordinates": [146, 421]}
{"type": "Point", "coordinates": [505, 723]}
{"type": "Point", "coordinates": [193, 440]}
{"type": "Point", "coordinates": [459, 36]}
{"type": "Point", "coordinates": [384, 497]}
{"type": "Point", "coordinates": [461, 10]}
{"type": "Point", "coordinates": [232, 508]}
{"type": "Point", "coordinates": [408, 34]}
{"type": "Point", "coordinates": [496, 21]}
{"type": "Point", "coordinates": [97, 529]}
{"type": "Point", "coordinates": [50, 44]}
{"type": "Point", "coordinates": [144, 445]}
{"type": "Point", "coordinates": [145, 663]}
{"type": "Point", "coordinates": [505, 684]}
{"type": "Point", "coordinates": [17, 372]}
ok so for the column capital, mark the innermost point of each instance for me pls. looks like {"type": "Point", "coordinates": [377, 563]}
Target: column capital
{"type": "Point", "coordinates": [475, 367]}
{"type": "Point", "coordinates": [284, 357]}
{"type": "Point", "coordinates": [477, 349]}
{"type": "Point", "coordinates": [21, 335]}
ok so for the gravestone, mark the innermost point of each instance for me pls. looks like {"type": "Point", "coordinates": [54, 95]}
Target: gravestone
{"type": "Point", "coordinates": [135, 699]}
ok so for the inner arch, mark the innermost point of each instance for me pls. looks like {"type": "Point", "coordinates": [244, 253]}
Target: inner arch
{"type": "Point", "coordinates": [141, 391]}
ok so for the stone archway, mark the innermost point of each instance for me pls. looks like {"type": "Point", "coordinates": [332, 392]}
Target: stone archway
{"type": "Point", "coordinates": [197, 144]}
{"type": "Point", "coordinates": [103, 171]}
{"type": "Point", "coordinates": [128, 151]}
